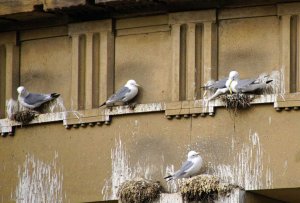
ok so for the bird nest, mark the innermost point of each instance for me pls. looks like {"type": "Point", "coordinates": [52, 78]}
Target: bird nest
{"type": "Point", "coordinates": [24, 117]}
{"type": "Point", "coordinates": [204, 188]}
{"type": "Point", "coordinates": [139, 191]}
{"type": "Point", "coordinates": [237, 101]}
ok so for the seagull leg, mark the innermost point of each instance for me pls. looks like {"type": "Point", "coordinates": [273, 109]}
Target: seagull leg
{"type": "Point", "coordinates": [219, 92]}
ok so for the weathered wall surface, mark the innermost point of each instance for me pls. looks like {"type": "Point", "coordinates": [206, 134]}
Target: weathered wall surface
{"type": "Point", "coordinates": [171, 56]}
{"type": "Point", "coordinates": [89, 163]}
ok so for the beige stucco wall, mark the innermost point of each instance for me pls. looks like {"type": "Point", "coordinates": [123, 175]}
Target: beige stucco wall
{"type": "Point", "coordinates": [45, 66]}
{"type": "Point", "coordinates": [146, 58]}
{"type": "Point", "coordinates": [250, 46]}
{"type": "Point", "coordinates": [148, 144]}
{"type": "Point", "coordinates": [258, 149]}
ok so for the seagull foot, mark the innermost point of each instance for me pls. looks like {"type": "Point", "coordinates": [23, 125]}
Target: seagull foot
{"type": "Point", "coordinates": [132, 106]}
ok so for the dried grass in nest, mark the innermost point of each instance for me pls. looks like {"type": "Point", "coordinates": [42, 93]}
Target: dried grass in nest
{"type": "Point", "coordinates": [237, 101]}
{"type": "Point", "coordinates": [204, 188]}
{"type": "Point", "coordinates": [139, 191]}
{"type": "Point", "coordinates": [24, 117]}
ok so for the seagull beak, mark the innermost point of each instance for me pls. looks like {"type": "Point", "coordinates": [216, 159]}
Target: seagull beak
{"type": "Point", "coordinates": [138, 85]}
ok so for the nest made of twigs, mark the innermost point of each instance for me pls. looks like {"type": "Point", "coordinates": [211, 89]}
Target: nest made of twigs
{"type": "Point", "coordinates": [237, 101]}
{"type": "Point", "coordinates": [24, 117]}
{"type": "Point", "coordinates": [204, 188]}
{"type": "Point", "coordinates": [139, 191]}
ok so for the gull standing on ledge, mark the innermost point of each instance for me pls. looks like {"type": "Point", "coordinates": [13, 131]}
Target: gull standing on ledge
{"type": "Point", "coordinates": [234, 84]}
{"type": "Point", "coordinates": [189, 168]}
{"type": "Point", "coordinates": [123, 95]}
{"type": "Point", "coordinates": [32, 100]}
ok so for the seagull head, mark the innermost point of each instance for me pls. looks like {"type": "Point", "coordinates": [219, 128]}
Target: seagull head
{"type": "Point", "coordinates": [233, 75]}
{"type": "Point", "coordinates": [192, 154]}
{"type": "Point", "coordinates": [132, 82]}
{"type": "Point", "coordinates": [22, 91]}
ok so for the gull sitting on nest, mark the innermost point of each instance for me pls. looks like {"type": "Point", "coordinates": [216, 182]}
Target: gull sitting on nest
{"type": "Point", "coordinates": [233, 84]}
{"type": "Point", "coordinates": [189, 168]}
{"type": "Point", "coordinates": [32, 100]}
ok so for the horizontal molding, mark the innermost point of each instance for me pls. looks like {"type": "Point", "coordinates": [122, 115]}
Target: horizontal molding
{"type": "Point", "coordinates": [44, 33]}
{"type": "Point", "coordinates": [142, 22]}
{"type": "Point", "coordinates": [247, 12]}
{"type": "Point", "coordinates": [90, 27]}
{"type": "Point", "coordinates": [192, 17]}
{"type": "Point", "coordinates": [288, 9]}
{"type": "Point", "coordinates": [143, 30]}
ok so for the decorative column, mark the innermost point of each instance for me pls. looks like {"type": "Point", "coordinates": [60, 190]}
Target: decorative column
{"type": "Point", "coordinates": [290, 46]}
{"type": "Point", "coordinates": [192, 38]}
{"type": "Point", "coordinates": [9, 69]}
{"type": "Point", "coordinates": [92, 53]}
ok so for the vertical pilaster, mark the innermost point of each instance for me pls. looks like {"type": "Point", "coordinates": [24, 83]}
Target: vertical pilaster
{"type": "Point", "coordinates": [98, 59]}
{"type": "Point", "coordinates": [75, 71]}
{"type": "Point", "coordinates": [89, 71]}
{"type": "Point", "coordinates": [209, 51]}
{"type": "Point", "coordinates": [298, 55]}
{"type": "Point", "coordinates": [12, 71]}
{"type": "Point", "coordinates": [285, 50]}
{"type": "Point", "coordinates": [191, 61]}
{"type": "Point", "coordinates": [106, 65]}
{"type": "Point", "coordinates": [175, 34]}
{"type": "Point", "coordinates": [9, 73]}
{"type": "Point", "coordinates": [289, 46]}
{"type": "Point", "coordinates": [198, 41]}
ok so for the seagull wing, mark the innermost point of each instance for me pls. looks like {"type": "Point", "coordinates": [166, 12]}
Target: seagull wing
{"type": "Point", "coordinates": [218, 84]}
{"type": "Point", "coordinates": [184, 169]}
{"type": "Point", "coordinates": [34, 99]}
{"type": "Point", "coordinates": [254, 87]}
{"type": "Point", "coordinates": [242, 84]}
{"type": "Point", "coordinates": [119, 95]}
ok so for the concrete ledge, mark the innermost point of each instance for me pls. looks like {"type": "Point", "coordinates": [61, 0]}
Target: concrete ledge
{"type": "Point", "coordinates": [236, 196]}
{"type": "Point", "coordinates": [172, 109]}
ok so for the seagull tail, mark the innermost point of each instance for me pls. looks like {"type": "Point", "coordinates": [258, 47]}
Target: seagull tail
{"type": "Point", "coordinates": [102, 104]}
{"type": "Point", "coordinates": [55, 95]}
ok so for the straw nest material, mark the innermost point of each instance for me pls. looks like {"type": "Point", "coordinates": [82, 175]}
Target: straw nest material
{"type": "Point", "coordinates": [24, 117]}
{"type": "Point", "coordinates": [139, 191]}
{"type": "Point", "coordinates": [204, 188]}
{"type": "Point", "coordinates": [237, 101]}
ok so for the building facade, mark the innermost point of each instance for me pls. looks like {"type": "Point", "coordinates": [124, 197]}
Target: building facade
{"type": "Point", "coordinates": [86, 50]}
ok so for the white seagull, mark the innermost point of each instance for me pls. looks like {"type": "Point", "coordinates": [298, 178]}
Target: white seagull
{"type": "Point", "coordinates": [32, 100]}
{"type": "Point", "coordinates": [124, 95]}
{"type": "Point", "coordinates": [233, 84]}
{"type": "Point", "coordinates": [189, 168]}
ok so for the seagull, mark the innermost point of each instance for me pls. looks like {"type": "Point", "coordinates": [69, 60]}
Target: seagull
{"type": "Point", "coordinates": [32, 100]}
{"type": "Point", "coordinates": [233, 84]}
{"type": "Point", "coordinates": [124, 95]}
{"type": "Point", "coordinates": [189, 168]}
